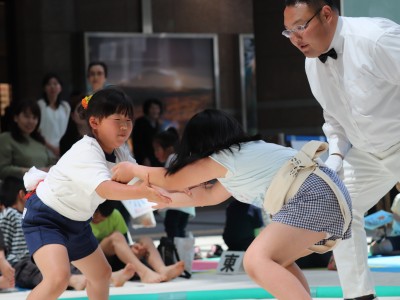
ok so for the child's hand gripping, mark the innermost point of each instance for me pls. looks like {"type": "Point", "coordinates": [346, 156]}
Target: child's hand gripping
{"type": "Point", "coordinates": [151, 194]}
{"type": "Point", "coordinates": [123, 172]}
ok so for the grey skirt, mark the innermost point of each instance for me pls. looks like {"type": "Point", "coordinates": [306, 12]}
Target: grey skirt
{"type": "Point", "coordinates": [315, 207]}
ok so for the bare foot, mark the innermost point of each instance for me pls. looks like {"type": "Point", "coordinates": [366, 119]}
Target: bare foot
{"type": "Point", "coordinates": [77, 282]}
{"type": "Point", "coordinates": [6, 283]}
{"type": "Point", "coordinates": [120, 277]}
{"type": "Point", "coordinates": [173, 271]}
{"type": "Point", "coordinates": [149, 276]}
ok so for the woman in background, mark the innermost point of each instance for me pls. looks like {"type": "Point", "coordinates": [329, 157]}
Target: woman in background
{"type": "Point", "coordinates": [54, 113]}
{"type": "Point", "coordinates": [23, 146]}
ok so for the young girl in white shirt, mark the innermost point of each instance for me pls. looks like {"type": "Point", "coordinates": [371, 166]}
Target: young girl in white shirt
{"type": "Point", "coordinates": [315, 213]}
{"type": "Point", "coordinates": [57, 215]}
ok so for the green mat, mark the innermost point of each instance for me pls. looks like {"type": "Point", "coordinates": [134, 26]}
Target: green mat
{"type": "Point", "coordinates": [254, 293]}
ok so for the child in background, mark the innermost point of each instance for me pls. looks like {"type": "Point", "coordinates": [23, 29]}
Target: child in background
{"type": "Point", "coordinates": [110, 230]}
{"type": "Point", "coordinates": [390, 245]}
{"type": "Point", "coordinates": [77, 126]}
{"type": "Point", "coordinates": [396, 213]}
{"type": "Point", "coordinates": [311, 208]}
{"type": "Point", "coordinates": [175, 219]}
{"type": "Point", "coordinates": [27, 275]}
{"type": "Point", "coordinates": [146, 127]}
{"type": "Point", "coordinates": [57, 215]}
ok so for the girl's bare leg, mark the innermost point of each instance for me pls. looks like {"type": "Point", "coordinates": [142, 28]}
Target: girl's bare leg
{"type": "Point", "coordinates": [269, 260]}
{"type": "Point", "coordinates": [55, 279]}
{"type": "Point", "coordinates": [97, 272]}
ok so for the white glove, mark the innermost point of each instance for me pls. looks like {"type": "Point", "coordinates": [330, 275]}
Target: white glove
{"type": "Point", "coordinates": [334, 162]}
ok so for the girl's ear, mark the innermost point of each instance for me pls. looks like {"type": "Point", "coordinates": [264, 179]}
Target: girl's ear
{"type": "Point", "coordinates": [327, 13]}
{"type": "Point", "coordinates": [94, 122]}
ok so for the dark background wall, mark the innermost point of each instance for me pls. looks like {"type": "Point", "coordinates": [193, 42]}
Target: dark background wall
{"type": "Point", "coordinates": [47, 35]}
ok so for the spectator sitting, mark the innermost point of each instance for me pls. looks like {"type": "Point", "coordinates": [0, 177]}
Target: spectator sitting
{"type": "Point", "coordinates": [390, 245]}
{"type": "Point", "coordinates": [111, 231]}
{"type": "Point", "coordinates": [23, 146]}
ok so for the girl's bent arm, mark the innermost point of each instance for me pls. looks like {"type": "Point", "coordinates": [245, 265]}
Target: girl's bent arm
{"type": "Point", "coordinates": [193, 174]}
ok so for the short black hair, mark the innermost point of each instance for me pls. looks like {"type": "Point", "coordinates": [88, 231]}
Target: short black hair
{"type": "Point", "coordinates": [167, 138]}
{"type": "Point", "coordinates": [108, 101]}
{"type": "Point", "coordinates": [106, 208]}
{"type": "Point", "coordinates": [316, 4]}
{"type": "Point", "coordinates": [149, 102]}
{"type": "Point", "coordinates": [9, 190]}
{"type": "Point", "coordinates": [23, 106]}
{"type": "Point", "coordinates": [208, 132]}
{"type": "Point", "coordinates": [98, 63]}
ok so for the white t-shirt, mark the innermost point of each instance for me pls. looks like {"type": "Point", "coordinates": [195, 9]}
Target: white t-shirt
{"type": "Point", "coordinates": [251, 169]}
{"type": "Point", "coordinates": [53, 122]}
{"type": "Point", "coordinates": [360, 90]}
{"type": "Point", "coordinates": [69, 187]}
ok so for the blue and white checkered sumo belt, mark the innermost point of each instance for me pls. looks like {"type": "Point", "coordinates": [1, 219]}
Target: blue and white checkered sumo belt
{"type": "Point", "coordinates": [291, 176]}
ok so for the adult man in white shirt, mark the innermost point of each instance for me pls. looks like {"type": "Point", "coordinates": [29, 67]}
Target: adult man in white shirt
{"type": "Point", "coordinates": [353, 68]}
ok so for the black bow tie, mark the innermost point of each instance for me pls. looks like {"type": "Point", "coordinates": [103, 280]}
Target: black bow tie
{"type": "Point", "coordinates": [324, 56]}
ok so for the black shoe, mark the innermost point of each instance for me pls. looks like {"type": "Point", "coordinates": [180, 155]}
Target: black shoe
{"type": "Point", "coordinates": [367, 297]}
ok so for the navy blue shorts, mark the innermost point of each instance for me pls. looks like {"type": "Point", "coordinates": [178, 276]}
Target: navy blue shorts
{"type": "Point", "coordinates": [43, 226]}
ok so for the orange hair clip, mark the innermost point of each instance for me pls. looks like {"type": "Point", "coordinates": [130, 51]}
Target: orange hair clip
{"type": "Point", "coordinates": [85, 101]}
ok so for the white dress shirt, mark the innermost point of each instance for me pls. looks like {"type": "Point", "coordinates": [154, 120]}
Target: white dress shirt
{"type": "Point", "coordinates": [360, 90]}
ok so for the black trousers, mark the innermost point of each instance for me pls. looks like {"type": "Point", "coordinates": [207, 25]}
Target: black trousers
{"type": "Point", "coordinates": [175, 223]}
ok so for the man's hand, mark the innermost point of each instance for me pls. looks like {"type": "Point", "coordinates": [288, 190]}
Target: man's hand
{"type": "Point", "coordinates": [334, 162]}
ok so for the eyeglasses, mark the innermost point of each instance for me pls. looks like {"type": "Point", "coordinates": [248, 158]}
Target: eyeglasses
{"type": "Point", "coordinates": [299, 28]}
